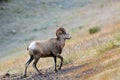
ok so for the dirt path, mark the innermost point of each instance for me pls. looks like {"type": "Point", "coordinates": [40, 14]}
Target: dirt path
{"type": "Point", "coordinates": [75, 71]}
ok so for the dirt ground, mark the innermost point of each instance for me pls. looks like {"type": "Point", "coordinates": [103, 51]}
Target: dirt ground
{"type": "Point", "coordinates": [74, 71]}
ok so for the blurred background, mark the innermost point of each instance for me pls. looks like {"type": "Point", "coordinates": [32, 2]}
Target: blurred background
{"type": "Point", "coordinates": [94, 26]}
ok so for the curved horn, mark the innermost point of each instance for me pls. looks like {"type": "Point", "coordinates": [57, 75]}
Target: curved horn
{"type": "Point", "coordinates": [59, 31]}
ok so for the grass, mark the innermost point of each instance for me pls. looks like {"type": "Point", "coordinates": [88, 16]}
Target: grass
{"type": "Point", "coordinates": [43, 28]}
{"type": "Point", "coordinates": [94, 30]}
{"type": "Point", "coordinates": [105, 47]}
{"type": "Point", "coordinates": [77, 30]}
{"type": "Point", "coordinates": [69, 59]}
{"type": "Point", "coordinates": [29, 39]}
{"type": "Point", "coordinates": [117, 38]}
{"type": "Point", "coordinates": [107, 73]}
{"type": "Point", "coordinates": [98, 50]}
{"type": "Point", "coordinates": [87, 53]}
{"type": "Point", "coordinates": [71, 56]}
{"type": "Point", "coordinates": [71, 53]}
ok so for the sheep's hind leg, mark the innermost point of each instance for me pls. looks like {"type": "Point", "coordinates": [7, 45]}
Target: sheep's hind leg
{"type": "Point", "coordinates": [34, 65]}
{"type": "Point", "coordinates": [61, 58]}
{"type": "Point", "coordinates": [27, 64]}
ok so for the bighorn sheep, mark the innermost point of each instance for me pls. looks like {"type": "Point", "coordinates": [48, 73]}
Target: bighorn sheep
{"type": "Point", "coordinates": [48, 48]}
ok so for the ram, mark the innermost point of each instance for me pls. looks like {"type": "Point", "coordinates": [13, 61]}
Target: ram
{"type": "Point", "coordinates": [47, 48]}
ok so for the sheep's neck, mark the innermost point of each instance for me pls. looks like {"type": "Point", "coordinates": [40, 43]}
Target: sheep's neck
{"type": "Point", "coordinates": [62, 42]}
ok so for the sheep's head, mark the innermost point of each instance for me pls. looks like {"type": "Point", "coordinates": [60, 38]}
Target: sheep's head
{"type": "Point", "coordinates": [61, 33]}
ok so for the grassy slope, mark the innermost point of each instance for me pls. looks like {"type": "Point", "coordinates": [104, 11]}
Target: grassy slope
{"type": "Point", "coordinates": [22, 21]}
{"type": "Point", "coordinates": [89, 49]}
{"type": "Point", "coordinates": [99, 60]}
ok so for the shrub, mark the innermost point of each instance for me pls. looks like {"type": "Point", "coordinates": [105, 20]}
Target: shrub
{"type": "Point", "coordinates": [94, 30]}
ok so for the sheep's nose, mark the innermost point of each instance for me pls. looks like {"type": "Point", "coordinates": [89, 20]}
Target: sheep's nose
{"type": "Point", "coordinates": [68, 36]}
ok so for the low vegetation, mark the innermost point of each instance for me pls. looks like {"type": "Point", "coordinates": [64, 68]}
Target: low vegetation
{"type": "Point", "coordinates": [94, 30]}
{"type": "Point", "coordinates": [79, 52]}
{"type": "Point", "coordinates": [92, 53]}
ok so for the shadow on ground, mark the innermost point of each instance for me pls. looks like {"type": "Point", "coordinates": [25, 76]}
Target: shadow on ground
{"type": "Point", "coordinates": [49, 74]}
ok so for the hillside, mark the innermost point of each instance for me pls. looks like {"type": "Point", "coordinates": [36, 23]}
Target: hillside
{"type": "Point", "coordinates": [92, 53]}
{"type": "Point", "coordinates": [98, 58]}
{"type": "Point", "coordinates": [23, 21]}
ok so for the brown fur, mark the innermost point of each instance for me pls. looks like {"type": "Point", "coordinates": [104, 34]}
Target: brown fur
{"type": "Point", "coordinates": [48, 48]}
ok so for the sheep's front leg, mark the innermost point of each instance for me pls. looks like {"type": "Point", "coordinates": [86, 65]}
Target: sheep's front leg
{"type": "Point", "coordinates": [61, 58]}
{"type": "Point", "coordinates": [55, 61]}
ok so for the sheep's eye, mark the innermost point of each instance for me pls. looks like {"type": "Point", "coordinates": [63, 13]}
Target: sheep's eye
{"type": "Point", "coordinates": [63, 32]}
{"type": "Point", "coordinates": [60, 33]}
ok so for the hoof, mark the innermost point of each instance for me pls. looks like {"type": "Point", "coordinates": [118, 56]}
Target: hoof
{"type": "Point", "coordinates": [59, 68]}
{"type": "Point", "coordinates": [24, 76]}
{"type": "Point", "coordinates": [56, 70]}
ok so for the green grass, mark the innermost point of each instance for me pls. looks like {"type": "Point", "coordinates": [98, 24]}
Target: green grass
{"type": "Point", "coordinates": [87, 53]}
{"type": "Point", "coordinates": [103, 47]}
{"type": "Point", "coordinates": [94, 30]}
{"type": "Point", "coordinates": [70, 58]}
{"type": "Point", "coordinates": [117, 38]}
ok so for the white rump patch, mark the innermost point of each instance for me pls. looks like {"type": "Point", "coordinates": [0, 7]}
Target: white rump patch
{"type": "Point", "coordinates": [32, 45]}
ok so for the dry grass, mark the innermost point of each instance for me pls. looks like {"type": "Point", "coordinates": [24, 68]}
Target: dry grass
{"type": "Point", "coordinates": [112, 74]}
{"type": "Point", "coordinates": [110, 64]}
{"type": "Point", "coordinates": [97, 67]}
{"type": "Point", "coordinates": [79, 50]}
